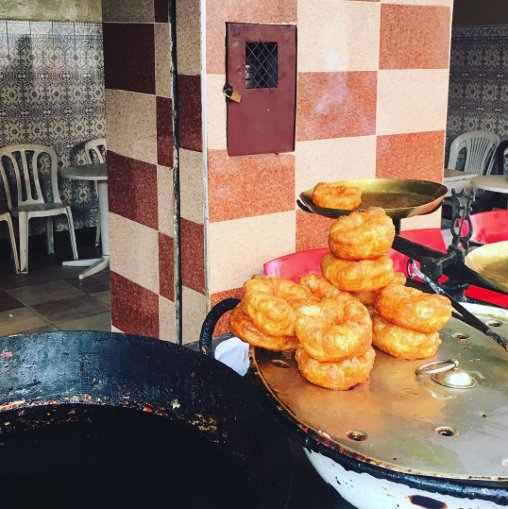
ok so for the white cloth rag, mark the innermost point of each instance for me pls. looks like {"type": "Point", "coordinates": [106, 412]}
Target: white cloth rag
{"type": "Point", "coordinates": [234, 353]}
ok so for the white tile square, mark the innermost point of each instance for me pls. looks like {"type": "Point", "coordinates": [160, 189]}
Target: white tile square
{"type": "Point", "coordinates": [411, 101]}
{"type": "Point", "coordinates": [238, 248]}
{"type": "Point", "coordinates": [134, 251]}
{"type": "Point", "coordinates": [194, 310]}
{"type": "Point", "coordinates": [334, 159]}
{"type": "Point", "coordinates": [338, 36]}
{"type": "Point", "coordinates": [192, 186]}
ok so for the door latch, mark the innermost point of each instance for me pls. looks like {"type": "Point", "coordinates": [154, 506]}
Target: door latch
{"type": "Point", "coordinates": [231, 93]}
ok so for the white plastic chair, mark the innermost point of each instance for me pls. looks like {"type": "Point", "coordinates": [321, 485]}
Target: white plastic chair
{"type": "Point", "coordinates": [6, 216]}
{"type": "Point", "coordinates": [95, 151]}
{"type": "Point", "coordinates": [25, 163]}
{"type": "Point", "coordinates": [480, 149]}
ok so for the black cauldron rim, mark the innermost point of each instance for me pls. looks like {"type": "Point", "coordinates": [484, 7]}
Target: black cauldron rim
{"type": "Point", "coordinates": [85, 368]}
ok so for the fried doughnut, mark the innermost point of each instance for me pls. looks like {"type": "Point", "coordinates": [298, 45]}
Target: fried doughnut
{"type": "Point", "coordinates": [357, 276]}
{"type": "Point", "coordinates": [243, 327]}
{"type": "Point", "coordinates": [333, 330]}
{"type": "Point", "coordinates": [321, 288]}
{"type": "Point", "coordinates": [336, 196]}
{"type": "Point", "coordinates": [413, 309]}
{"type": "Point", "coordinates": [403, 343]}
{"type": "Point", "coordinates": [339, 376]}
{"type": "Point", "coordinates": [369, 298]}
{"type": "Point", "coordinates": [362, 235]}
{"type": "Point", "coordinates": [266, 301]}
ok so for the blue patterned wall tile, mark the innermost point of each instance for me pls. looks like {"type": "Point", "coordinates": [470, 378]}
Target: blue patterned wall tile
{"type": "Point", "coordinates": [52, 92]}
{"type": "Point", "coordinates": [478, 97]}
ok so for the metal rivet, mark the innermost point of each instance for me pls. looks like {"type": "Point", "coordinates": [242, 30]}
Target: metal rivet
{"type": "Point", "coordinates": [446, 431]}
{"type": "Point", "coordinates": [493, 323]}
{"type": "Point", "coordinates": [357, 436]}
{"type": "Point", "coordinates": [505, 463]}
{"type": "Point", "coordinates": [460, 335]}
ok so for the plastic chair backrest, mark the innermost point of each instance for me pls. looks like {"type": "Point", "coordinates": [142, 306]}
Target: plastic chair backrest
{"type": "Point", "coordinates": [95, 150]}
{"type": "Point", "coordinates": [25, 160]}
{"type": "Point", "coordinates": [489, 227]}
{"type": "Point", "coordinates": [430, 237]}
{"type": "Point", "coordinates": [480, 149]}
{"type": "Point", "coordinates": [294, 265]}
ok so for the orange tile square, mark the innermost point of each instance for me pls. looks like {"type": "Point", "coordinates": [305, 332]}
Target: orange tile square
{"type": "Point", "coordinates": [336, 105]}
{"type": "Point", "coordinates": [222, 326]}
{"type": "Point", "coordinates": [311, 230]}
{"type": "Point", "coordinates": [219, 12]}
{"type": "Point", "coordinates": [411, 156]}
{"type": "Point", "coordinates": [249, 186]}
{"type": "Point", "coordinates": [193, 255]}
{"type": "Point", "coordinates": [414, 37]}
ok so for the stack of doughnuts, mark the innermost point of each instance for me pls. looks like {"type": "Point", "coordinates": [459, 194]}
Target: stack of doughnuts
{"type": "Point", "coordinates": [407, 322]}
{"type": "Point", "coordinates": [333, 320]}
{"type": "Point", "coordinates": [335, 334]}
{"type": "Point", "coordinates": [359, 243]}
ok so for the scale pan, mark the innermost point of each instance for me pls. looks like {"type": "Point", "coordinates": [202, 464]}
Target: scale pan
{"type": "Point", "coordinates": [400, 198]}
{"type": "Point", "coordinates": [490, 262]}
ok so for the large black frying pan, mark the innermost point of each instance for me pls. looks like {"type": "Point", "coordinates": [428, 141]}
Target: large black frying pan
{"type": "Point", "coordinates": [96, 420]}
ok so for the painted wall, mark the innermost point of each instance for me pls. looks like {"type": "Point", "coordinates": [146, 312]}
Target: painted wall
{"type": "Point", "coordinates": [372, 89]}
{"type": "Point", "coordinates": [140, 159]}
{"type": "Point", "coordinates": [51, 10]}
{"type": "Point", "coordinates": [480, 12]}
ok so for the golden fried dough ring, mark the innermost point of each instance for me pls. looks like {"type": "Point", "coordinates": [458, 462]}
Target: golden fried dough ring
{"type": "Point", "coordinates": [403, 343]}
{"type": "Point", "coordinates": [362, 235]}
{"type": "Point", "coordinates": [321, 288]}
{"type": "Point", "coordinates": [332, 330]}
{"type": "Point", "coordinates": [369, 298]}
{"type": "Point", "coordinates": [413, 309]}
{"type": "Point", "coordinates": [266, 300]}
{"type": "Point", "coordinates": [357, 276]}
{"type": "Point", "coordinates": [335, 196]}
{"type": "Point", "coordinates": [243, 327]}
{"type": "Point", "coordinates": [339, 376]}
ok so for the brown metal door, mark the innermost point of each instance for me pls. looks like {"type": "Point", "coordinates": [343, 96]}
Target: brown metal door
{"type": "Point", "coordinates": [261, 66]}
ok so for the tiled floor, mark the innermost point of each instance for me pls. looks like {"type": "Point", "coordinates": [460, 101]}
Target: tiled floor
{"type": "Point", "coordinates": [51, 297]}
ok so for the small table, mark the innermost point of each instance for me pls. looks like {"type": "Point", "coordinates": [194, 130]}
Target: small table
{"type": "Point", "coordinates": [99, 174]}
{"type": "Point", "coordinates": [494, 183]}
{"type": "Point", "coordinates": [457, 180]}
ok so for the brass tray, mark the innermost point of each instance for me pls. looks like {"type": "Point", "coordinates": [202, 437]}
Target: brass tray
{"type": "Point", "coordinates": [404, 422]}
{"type": "Point", "coordinates": [400, 198]}
{"type": "Point", "coordinates": [490, 262]}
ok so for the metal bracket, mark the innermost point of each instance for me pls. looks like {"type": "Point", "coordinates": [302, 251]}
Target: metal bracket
{"type": "Point", "coordinates": [462, 203]}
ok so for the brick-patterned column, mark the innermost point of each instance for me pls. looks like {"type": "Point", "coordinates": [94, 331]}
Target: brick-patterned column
{"type": "Point", "coordinates": [191, 171]}
{"type": "Point", "coordinates": [140, 160]}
